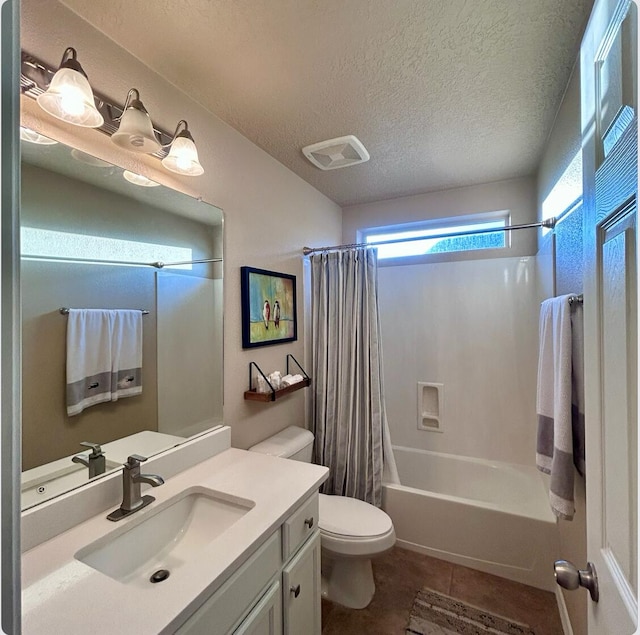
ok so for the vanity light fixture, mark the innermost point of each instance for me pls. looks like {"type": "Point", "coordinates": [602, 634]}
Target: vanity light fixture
{"type": "Point", "coordinates": [183, 154]}
{"type": "Point", "coordinates": [31, 136]}
{"type": "Point", "coordinates": [69, 96]}
{"type": "Point", "coordinates": [139, 179]}
{"type": "Point", "coordinates": [65, 93]}
{"type": "Point", "coordinates": [136, 130]}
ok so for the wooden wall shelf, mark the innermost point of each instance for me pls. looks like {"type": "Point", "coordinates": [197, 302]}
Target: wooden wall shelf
{"type": "Point", "coordinates": [252, 395]}
{"type": "Point", "coordinates": [273, 394]}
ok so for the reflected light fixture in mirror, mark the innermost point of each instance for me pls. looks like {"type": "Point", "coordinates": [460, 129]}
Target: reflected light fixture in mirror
{"type": "Point", "coordinates": [31, 136]}
{"type": "Point", "coordinates": [135, 132]}
{"type": "Point", "coordinates": [139, 179]}
{"type": "Point", "coordinates": [183, 155]}
{"type": "Point", "coordinates": [69, 96]}
{"type": "Point", "coordinates": [89, 159]}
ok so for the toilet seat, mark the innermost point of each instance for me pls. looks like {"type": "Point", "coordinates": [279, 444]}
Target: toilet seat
{"type": "Point", "coordinates": [351, 527]}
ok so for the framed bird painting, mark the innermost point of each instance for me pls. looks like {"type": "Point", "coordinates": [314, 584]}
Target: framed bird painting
{"type": "Point", "coordinates": [268, 307]}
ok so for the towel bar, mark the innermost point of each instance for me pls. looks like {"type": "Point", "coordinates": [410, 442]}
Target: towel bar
{"type": "Point", "coordinates": [65, 311]}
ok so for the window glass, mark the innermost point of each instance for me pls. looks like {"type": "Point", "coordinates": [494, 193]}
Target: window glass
{"type": "Point", "coordinates": [438, 238]}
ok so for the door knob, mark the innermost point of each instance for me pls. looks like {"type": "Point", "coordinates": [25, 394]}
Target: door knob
{"type": "Point", "coordinates": [570, 577]}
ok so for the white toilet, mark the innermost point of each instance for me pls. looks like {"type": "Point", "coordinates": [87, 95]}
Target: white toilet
{"type": "Point", "coordinates": [351, 531]}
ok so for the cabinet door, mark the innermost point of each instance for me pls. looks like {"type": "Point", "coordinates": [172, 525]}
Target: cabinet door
{"type": "Point", "coordinates": [301, 590]}
{"type": "Point", "coordinates": [225, 608]}
{"type": "Point", "coordinates": [266, 616]}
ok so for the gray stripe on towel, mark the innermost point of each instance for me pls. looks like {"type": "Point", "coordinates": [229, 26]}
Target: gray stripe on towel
{"type": "Point", "coordinates": [562, 464]}
{"type": "Point", "coordinates": [129, 378]}
{"type": "Point", "coordinates": [103, 383]}
{"type": "Point", "coordinates": [577, 425]}
{"type": "Point", "coordinates": [545, 436]}
{"type": "Point", "coordinates": [88, 387]}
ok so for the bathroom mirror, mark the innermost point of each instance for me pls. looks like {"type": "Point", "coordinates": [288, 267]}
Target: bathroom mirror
{"type": "Point", "coordinates": [89, 237]}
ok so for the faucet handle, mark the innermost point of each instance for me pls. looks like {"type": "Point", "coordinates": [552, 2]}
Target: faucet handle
{"type": "Point", "coordinates": [134, 460]}
{"type": "Point", "coordinates": [96, 450]}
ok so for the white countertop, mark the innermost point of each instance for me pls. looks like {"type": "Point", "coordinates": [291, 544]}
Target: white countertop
{"type": "Point", "coordinates": [63, 595]}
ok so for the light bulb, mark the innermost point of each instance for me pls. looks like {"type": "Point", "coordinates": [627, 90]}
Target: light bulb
{"type": "Point", "coordinates": [72, 101]}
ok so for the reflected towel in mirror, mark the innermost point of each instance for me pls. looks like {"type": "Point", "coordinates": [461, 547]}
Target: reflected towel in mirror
{"type": "Point", "coordinates": [104, 356]}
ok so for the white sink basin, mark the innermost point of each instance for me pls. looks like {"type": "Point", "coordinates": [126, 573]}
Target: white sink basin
{"type": "Point", "coordinates": [167, 537]}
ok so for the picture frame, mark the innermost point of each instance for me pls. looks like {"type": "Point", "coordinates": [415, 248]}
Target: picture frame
{"type": "Point", "coordinates": [269, 310]}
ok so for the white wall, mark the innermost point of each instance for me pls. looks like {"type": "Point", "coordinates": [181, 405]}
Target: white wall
{"type": "Point", "coordinates": [559, 180]}
{"type": "Point", "coordinates": [270, 213]}
{"type": "Point", "coordinates": [471, 326]}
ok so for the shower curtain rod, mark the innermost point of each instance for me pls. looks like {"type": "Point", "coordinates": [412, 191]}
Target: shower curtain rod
{"type": "Point", "coordinates": [97, 261]}
{"type": "Point", "coordinates": [160, 264]}
{"type": "Point", "coordinates": [549, 223]}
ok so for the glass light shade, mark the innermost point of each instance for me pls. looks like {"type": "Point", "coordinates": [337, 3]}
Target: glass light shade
{"type": "Point", "coordinates": [89, 159]}
{"type": "Point", "coordinates": [31, 136]}
{"type": "Point", "coordinates": [183, 157]}
{"type": "Point", "coordinates": [70, 98]}
{"type": "Point", "coordinates": [139, 179]}
{"type": "Point", "coordinates": [136, 132]}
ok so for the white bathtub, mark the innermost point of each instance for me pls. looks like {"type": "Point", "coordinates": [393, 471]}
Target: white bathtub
{"type": "Point", "coordinates": [486, 515]}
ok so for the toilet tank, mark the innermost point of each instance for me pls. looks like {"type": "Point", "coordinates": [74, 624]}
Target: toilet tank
{"type": "Point", "coordinates": [291, 443]}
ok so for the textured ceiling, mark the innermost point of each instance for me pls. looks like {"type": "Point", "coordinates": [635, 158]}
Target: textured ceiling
{"type": "Point", "coordinates": [442, 93]}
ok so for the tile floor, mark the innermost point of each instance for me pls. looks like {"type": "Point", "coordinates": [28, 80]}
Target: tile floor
{"type": "Point", "coordinates": [401, 573]}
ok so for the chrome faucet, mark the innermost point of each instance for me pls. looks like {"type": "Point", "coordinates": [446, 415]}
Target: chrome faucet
{"type": "Point", "coordinates": [131, 479]}
{"type": "Point", "coordinates": [95, 461]}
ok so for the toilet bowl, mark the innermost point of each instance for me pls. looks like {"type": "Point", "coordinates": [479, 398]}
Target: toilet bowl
{"type": "Point", "coordinates": [352, 532]}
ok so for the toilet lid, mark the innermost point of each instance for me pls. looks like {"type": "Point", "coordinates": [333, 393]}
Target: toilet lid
{"type": "Point", "coordinates": [352, 517]}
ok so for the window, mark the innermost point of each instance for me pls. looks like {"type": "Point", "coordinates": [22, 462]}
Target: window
{"type": "Point", "coordinates": [404, 240]}
{"type": "Point", "coordinates": [46, 244]}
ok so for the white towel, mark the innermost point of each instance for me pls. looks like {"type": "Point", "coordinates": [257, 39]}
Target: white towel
{"type": "Point", "coordinates": [104, 356]}
{"type": "Point", "coordinates": [126, 354]}
{"type": "Point", "coordinates": [554, 452]}
{"type": "Point", "coordinates": [88, 358]}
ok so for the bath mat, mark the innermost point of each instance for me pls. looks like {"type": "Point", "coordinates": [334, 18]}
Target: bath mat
{"type": "Point", "coordinates": [437, 614]}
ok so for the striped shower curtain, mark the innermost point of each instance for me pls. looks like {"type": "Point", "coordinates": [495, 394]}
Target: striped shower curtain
{"type": "Point", "coordinates": [349, 418]}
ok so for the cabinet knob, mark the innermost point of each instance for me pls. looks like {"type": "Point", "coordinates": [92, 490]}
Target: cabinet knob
{"type": "Point", "coordinates": [295, 590]}
{"type": "Point", "coordinates": [309, 522]}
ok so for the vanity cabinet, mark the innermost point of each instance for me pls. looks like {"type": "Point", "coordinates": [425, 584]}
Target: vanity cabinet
{"type": "Point", "coordinates": [276, 591]}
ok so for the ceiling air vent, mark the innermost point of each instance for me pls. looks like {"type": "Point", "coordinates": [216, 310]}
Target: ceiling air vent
{"type": "Point", "coordinates": [336, 153]}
